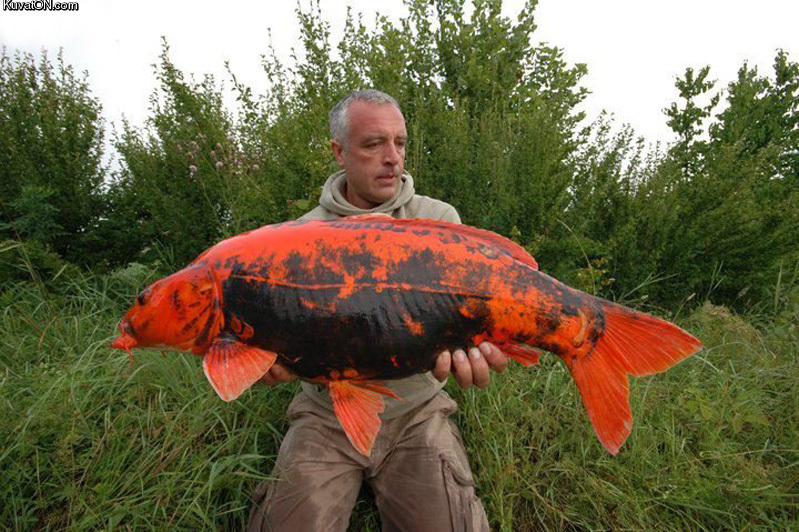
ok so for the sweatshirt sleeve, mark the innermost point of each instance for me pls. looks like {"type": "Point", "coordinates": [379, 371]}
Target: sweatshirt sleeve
{"type": "Point", "coordinates": [450, 215]}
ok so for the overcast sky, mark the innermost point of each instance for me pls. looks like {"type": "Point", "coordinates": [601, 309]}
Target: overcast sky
{"type": "Point", "coordinates": [634, 49]}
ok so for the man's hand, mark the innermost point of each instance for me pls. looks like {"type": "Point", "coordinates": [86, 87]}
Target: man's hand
{"type": "Point", "coordinates": [472, 369]}
{"type": "Point", "coordinates": [278, 374]}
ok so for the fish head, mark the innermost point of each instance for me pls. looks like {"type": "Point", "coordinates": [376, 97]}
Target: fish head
{"type": "Point", "coordinates": [182, 311]}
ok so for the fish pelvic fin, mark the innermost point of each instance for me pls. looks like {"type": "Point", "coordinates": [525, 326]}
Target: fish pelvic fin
{"type": "Point", "coordinates": [521, 353]}
{"type": "Point", "coordinates": [632, 343]}
{"type": "Point", "coordinates": [232, 366]}
{"type": "Point", "coordinates": [358, 405]}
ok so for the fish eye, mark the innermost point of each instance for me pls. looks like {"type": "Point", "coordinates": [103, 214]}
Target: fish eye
{"type": "Point", "coordinates": [143, 297]}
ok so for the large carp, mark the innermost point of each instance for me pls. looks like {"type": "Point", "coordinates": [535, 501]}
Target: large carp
{"type": "Point", "coordinates": [353, 302]}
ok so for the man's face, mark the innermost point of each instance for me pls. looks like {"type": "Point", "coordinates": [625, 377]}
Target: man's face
{"type": "Point", "coordinates": [374, 154]}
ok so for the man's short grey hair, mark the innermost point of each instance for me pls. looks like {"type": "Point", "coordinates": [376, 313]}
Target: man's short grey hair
{"type": "Point", "coordinates": [339, 115]}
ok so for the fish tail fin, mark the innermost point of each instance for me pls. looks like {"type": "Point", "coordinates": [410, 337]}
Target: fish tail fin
{"type": "Point", "coordinates": [632, 343]}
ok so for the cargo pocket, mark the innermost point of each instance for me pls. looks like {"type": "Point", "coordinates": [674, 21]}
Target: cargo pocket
{"type": "Point", "coordinates": [465, 509]}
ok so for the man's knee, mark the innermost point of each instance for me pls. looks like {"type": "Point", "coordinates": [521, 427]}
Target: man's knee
{"type": "Point", "coordinates": [428, 470]}
{"type": "Point", "coordinates": [314, 485]}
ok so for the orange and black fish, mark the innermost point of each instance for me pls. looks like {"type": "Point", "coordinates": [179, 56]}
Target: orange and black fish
{"type": "Point", "coordinates": [360, 300]}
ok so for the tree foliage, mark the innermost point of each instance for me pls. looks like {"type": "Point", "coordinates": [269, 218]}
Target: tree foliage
{"type": "Point", "coordinates": [51, 138]}
{"type": "Point", "coordinates": [185, 182]}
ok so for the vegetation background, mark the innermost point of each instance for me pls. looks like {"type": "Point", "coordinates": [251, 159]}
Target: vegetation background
{"type": "Point", "coordinates": [703, 231]}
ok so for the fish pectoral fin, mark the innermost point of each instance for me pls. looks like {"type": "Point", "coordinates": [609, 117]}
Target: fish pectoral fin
{"type": "Point", "coordinates": [231, 366]}
{"type": "Point", "coordinates": [524, 355]}
{"type": "Point", "coordinates": [357, 407]}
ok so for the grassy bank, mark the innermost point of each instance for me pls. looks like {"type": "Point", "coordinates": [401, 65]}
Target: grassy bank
{"type": "Point", "coordinates": [90, 440]}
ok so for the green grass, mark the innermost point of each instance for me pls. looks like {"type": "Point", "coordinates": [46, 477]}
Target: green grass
{"type": "Point", "coordinates": [91, 441]}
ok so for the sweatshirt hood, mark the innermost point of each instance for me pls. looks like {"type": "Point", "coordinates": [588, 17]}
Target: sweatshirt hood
{"type": "Point", "coordinates": [333, 198]}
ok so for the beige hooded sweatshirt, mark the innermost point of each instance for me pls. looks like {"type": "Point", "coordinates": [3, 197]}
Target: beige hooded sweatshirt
{"type": "Point", "coordinates": [417, 389]}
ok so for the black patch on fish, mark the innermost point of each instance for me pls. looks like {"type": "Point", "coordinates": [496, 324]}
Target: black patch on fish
{"type": "Point", "coordinates": [295, 270]}
{"type": "Point", "coordinates": [174, 298]}
{"type": "Point", "coordinates": [190, 325]}
{"type": "Point", "coordinates": [477, 274]}
{"type": "Point", "coordinates": [366, 330]}
{"type": "Point", "coordinates": [353, 260]}
{"type": "Point", "coordinates": [202, 338]}
{"type": "Point", "coordinates": [420, 266]}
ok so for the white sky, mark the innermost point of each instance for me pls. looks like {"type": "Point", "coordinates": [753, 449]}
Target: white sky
{"type": "Point", "coordinates": [634, 49]}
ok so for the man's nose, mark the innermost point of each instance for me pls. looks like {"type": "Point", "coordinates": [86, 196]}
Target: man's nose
{"type": "Point", "coordinates": [391, 154]}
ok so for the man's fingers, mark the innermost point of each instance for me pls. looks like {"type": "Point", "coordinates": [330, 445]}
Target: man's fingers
{"type": "Point", "coordinates": [281, 374]}
{"type": "Point", "coordinates": [268, 380]}
{"type": "Point", "coordinates": [480, 377]}
{"type": "Point", "coordinates": [278, 375]}
{"type": "Point", "coordinates": [443, 365]}
{"type": "Point", "coordinates": [468, 370]}
{"type": "Point", "coordinates": [497, 360]}
{"type": "Point", "coordinates": [462, 369]}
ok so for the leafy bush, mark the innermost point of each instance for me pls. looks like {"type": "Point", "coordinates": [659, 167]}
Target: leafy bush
{"type": "Point", "coordinates": [51, 138]}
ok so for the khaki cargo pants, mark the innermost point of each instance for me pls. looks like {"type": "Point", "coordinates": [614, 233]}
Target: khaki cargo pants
{"type": "Point", "coordinates": [418, 471]}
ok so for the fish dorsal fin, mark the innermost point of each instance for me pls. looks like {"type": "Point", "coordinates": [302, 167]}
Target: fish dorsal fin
{"type": "Point", "coordinates": [232, 366]}
{"type": "Point", "coordinates": [357, 406]}
{"type": "Point", "coordinates": [379, 215]}
{"type": "Point", "coordinates": [487, 237]}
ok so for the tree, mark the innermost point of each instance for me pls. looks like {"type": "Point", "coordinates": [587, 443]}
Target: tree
{"type": "Point", "coordinates": [731, 187]}
{"type": "Point", "coordinates": [51, 136]}
{"type": "Point", "coordinates": [186, 182]}
{"type": "Point", "coordinates": [688, 121]}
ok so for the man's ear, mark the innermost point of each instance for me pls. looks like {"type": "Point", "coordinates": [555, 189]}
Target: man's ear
{"type": "Point", "coordinates": [338, 152]}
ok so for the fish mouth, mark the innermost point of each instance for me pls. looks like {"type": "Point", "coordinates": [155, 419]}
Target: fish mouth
{"type": "Point", "coordinates": [125, 340]}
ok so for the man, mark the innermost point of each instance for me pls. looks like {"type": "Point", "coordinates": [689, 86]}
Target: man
{"type": "Point", "coordinates": [418, 469]}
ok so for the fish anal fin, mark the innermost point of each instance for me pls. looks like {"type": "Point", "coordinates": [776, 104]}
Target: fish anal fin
{"type": "Point", "coordinates": [357, 406]}
{"type": "Point", "coordinates": [379, 387]}
{"type": "Point", "coordinates": [232, 366]}
{"type": "Point", "coordinates": [523, 354]}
